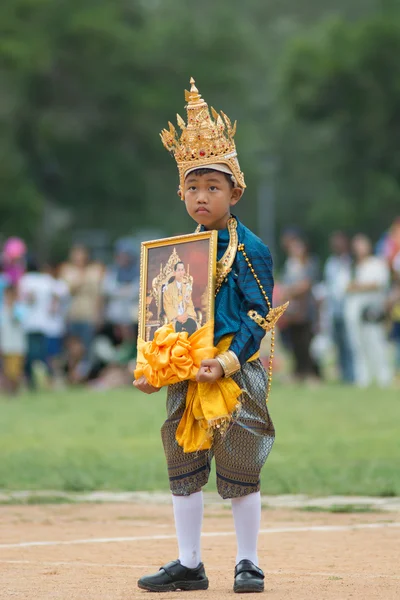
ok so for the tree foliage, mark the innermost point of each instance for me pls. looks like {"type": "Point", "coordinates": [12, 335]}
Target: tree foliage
{"type": "Point", "coordinates": [342, 85]}
{"type": "Point", "coordinates": [86, 85]}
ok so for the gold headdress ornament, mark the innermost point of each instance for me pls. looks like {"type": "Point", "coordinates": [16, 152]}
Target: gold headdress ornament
{"type": "Point", "coordinates": [205, 140]}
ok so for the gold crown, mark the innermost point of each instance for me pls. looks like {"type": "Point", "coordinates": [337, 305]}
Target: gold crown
{"type": "Point", "coordinates": [205, 140]}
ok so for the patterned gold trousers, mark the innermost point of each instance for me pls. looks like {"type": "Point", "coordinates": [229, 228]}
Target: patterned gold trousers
{"type": "Point", "coordinates": [239, 453]}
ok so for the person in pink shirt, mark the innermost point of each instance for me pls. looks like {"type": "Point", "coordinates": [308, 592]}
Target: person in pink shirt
{"type": "Point", "coordinates": [14, 253]}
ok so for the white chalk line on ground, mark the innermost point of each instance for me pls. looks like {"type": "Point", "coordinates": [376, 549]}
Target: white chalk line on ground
{"type": "Point", "coordinates": [145, 538]}
{"type": "Point", "coordinates": [297, 572]}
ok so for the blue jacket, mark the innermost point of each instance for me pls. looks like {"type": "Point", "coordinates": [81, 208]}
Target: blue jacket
{"type": "Point", "coordinates": [240, 293]}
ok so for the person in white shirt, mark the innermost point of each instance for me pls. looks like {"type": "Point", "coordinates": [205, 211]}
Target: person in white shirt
{"type": "Point", "coordinates": [57, 322]}
{"type": "Point", "coordinates": [13, 344]}
{"type": "Point", "coordinates": [365, 313]}
{"type": "Point", "coordinates": [337, 276]}
{"type": "Point", "coordinates": [36, 292]}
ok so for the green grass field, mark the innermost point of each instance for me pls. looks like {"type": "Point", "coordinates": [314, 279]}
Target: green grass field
{"type": "Point", "coordinates": [331, 440]}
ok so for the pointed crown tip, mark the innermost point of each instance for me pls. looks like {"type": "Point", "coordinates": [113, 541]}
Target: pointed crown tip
{"type": "Point", "coordinates": [193, 87]}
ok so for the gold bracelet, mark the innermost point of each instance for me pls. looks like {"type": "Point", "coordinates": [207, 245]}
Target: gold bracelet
{"type": "Point", "coordinates": [229, 362]}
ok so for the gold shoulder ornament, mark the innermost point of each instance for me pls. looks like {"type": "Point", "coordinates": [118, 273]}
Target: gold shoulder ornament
{"type": "Point", "coordinates": [267, 323]}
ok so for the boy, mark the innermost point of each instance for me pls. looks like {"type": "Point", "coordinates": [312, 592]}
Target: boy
{"type": "Point", "coordinates": [210, 184]}
{"type": "Point", "coordinates": [12, 339]}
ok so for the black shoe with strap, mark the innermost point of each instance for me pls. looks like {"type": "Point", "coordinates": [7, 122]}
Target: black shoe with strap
{"type": "Point", "coordinates": [248, 578]}
{"type": "Point", "coordinates": [174, 576]}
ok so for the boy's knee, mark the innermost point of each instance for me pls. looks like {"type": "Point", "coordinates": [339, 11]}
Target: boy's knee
{"type": "Point", "coordinates": [228, 490]}
{"type": "Point", "coordinates": [188, 487]}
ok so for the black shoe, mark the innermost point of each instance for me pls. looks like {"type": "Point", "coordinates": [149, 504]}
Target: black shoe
{"type": "Point", "coordinates": [248, 578]}
{"type": "Point", "coordinates": [174, 576]}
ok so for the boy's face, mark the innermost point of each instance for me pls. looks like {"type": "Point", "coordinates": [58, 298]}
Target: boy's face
{"type": "Point", "coordinates": [209, 197]}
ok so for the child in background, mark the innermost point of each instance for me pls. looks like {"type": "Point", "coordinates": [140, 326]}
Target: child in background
{"type": "Point", "coordinates": [36, 292]}
{"type": "Point", "coordinates": [14, 258]}
{"type": "Point", "coordinates": [12, 339]}
{"type": "Point", "coordinates": [76, 367]}
{"type": "Point", "coordinates": [394, 308]}
{"type": "Point", "coordinates": [4, 282]}
{"type": "Point", "coordinates": [56, 324]}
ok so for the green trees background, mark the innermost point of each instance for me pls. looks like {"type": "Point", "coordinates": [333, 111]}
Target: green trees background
{"type": "Point", "coordinates": [86, 86]}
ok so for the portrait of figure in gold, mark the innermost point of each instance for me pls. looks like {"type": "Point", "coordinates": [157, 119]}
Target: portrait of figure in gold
{"type": "Point", "coordinates": [177, 283]}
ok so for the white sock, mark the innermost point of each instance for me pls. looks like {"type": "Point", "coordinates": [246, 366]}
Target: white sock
{"type": "Point", "coordinates": [247, 516]}
{"type": "Point", "coordinates": [188, 513]}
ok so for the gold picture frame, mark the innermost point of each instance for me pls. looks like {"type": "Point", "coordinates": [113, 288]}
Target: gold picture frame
{"type": "Point", "coordinates": [177, 282]}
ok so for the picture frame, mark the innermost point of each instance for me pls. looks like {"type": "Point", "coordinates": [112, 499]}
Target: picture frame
{"type": "Point", "coordinates": [177, 283]}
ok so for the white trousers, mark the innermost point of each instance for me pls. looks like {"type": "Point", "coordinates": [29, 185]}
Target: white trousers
{"type": "Point", "coordinates": [370, 352]}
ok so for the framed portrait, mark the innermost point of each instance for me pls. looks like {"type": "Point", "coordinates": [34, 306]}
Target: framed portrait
{"type": "Point", "coordinates": [177, 283]}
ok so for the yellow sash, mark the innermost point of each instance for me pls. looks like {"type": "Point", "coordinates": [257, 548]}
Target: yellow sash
{"type": "Point", "coordinates": [172, 357]}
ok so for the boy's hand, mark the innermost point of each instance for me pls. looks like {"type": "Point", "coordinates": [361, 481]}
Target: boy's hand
{"type": "Point", "coordinates": [144, 386]}
{"type": "Point", "coordinates": [210, 370]}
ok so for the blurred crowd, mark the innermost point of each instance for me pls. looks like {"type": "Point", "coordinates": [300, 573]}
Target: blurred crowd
{"type": "Point", "coordinates": [75, 323]}
{"type": "Point", "coordinates": [69, 323]}
{"type": "Point", "coordinates": [348, 306]}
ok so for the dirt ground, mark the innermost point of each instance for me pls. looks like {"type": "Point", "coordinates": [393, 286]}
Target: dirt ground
{"type": "Point", "coordinates": [98, 551]}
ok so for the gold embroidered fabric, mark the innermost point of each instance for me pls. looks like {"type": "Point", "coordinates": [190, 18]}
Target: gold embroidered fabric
{"type": "Point", "coordinates": [224, 265]}
{"type": "Point", "coordinates": [239, 453]}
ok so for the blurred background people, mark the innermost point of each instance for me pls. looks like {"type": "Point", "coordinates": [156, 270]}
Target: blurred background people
{"type": "Point", "coordinates": [84, 279]}
{"type": "Point", "coordinates": [80, 318]}
{"type": "Point", "coordinates": [288, 234]}
{"type": "Point", "coordinates": [394, 309]}
{"type": "Point", "coordinates": [76, 365]}
{"type": "Point", "coordinates": [389, 246]}
{"type": "Point", "coordinates": [337, 276]}
{"type": "Point", "coordinates": [113, 351]}
{"type": "Point", "coordinates": [299, 275]}
{"type": "Point", "coordinates": [13, 343]}
{"type": "Point", "coordinates": [56, 323]}
{"type": "Point", "coordinates": [4, 282]}
{"type": "Point", "coordinates": [36, 292]}
{"type": "Point", "coordinates": [365, 313]}
{"type": "Point", "coordinates": [121, 285]}
{"type": "Point", "coordinates": [14, 255]}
